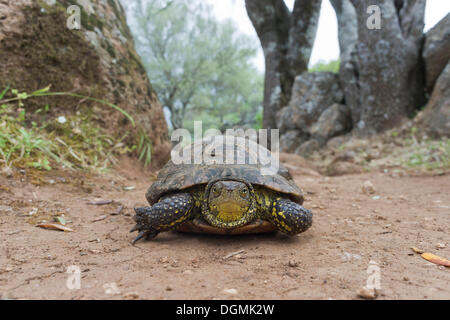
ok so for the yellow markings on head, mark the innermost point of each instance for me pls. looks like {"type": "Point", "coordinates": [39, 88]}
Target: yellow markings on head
{"type": "Point", "coordinates": [227, 216]}
{"type": "Point", "coordinates": [266, 199]}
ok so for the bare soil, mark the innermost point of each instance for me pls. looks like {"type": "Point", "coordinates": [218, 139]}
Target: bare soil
{"type": "Point", "coordinates": [329, 261]}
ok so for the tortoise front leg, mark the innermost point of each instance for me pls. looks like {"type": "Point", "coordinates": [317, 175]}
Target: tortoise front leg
{"type": "Point", "coordinates": [167, 214]}
{"type": "Point", "coordinates": [288, 216]}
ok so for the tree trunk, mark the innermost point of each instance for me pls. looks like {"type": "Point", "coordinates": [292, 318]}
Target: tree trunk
{"type": "Point", "coordinates": [348, 41]}
{"type": "Point", "coordinates": [287, 39]}
{"type": "Point", "coordinates": [383, 80]}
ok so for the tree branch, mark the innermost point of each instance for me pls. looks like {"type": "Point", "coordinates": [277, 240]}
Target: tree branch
{"type": "Point", "coordinates": [268, 16]}
{"type": "Point", "coordinates": [302, 33]}
{"type": "Point", "coordinates": [411, 18]}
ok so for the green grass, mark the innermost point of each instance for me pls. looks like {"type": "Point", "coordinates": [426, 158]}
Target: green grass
{"type": "Point", "coordinates": [430, 155]}
{"type": "Point", "coordinates": [76, 143]}
{"type": "Point", "coordinates": [44, 92]}
{"type": "Point", "coordinates": [144, 148]}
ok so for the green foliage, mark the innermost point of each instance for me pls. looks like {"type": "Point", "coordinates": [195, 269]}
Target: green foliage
{"type": "Point", "coordinates": [20, 96]}
{"type": "Point", "coordinates": [435, 155]}
{"type": "Point", "coordinates": [331, 66]}
{"type": "Point", "coordinates": [144, 148]}
{"type": "Point", "coordinates": [427, 154]}
{"type": "Point", "coordinates": [75, 143]}
{"type": "Point", "coordinates": [259, 120]}
{"type": "Point", "coordinates": [200, 68]}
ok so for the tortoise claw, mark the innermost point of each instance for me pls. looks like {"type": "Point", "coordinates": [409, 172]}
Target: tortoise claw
{"type": "Point", "coordinates": [148, 234]}
{"type": "Point", "coordinates": [139, 237]}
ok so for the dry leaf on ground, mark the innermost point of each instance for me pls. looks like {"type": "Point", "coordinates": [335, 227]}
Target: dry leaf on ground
{"type": "Point", "coordinates": [435, 259]}
{"type": "Point", "coordinates": [55, 226]}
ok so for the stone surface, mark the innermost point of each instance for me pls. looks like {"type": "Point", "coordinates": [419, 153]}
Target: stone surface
{"type": "Point", "coordinates": [340, 168]}
{"type": "Point", "coordinates": [368, 187]}
{"type": "Point", "coordinates": [436, 116]}
{"type": "Point", "coordinates": [312, 93]}
{"type": "Point", "coordinates": [290, 140]}
{"type": "Point", "coordinates": [332, 122]}
{"type": "Point", "coordinates": [99, 60]}
{"type": "Point", "coordinates": [307, 148]}
{"type": "Point", "coordinates": [436, 51]}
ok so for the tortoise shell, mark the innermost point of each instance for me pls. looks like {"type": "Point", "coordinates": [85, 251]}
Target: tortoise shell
{"type": "Point", "coordinates": [174, 177]}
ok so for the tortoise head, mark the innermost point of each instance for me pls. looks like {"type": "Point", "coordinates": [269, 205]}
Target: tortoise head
{"type": "Point", "coordinates": [229, 203]}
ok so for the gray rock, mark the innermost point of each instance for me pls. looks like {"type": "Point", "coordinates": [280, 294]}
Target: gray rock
{"type": "Point", "coordinates": [337, 142]}
{"type": "Point", "coordinates": [307, 148]}
{"type": "Point", "coordinates": [436, 52]}
{"type": "Point", "coordinates": [290, 140]}
{"type": "Point", "coordinates": [312, 93]}
{"type": "Point", "coordinates": [436, 116]}
{"type": "Point", "coordinates": [332, 122]}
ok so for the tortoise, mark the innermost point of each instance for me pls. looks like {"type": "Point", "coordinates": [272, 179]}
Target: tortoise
{"type": "Point", "coordinates": [212, 197]}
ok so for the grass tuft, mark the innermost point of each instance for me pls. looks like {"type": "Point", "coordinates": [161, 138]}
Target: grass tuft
{"type": "Point", "coordinates": [73, 142]}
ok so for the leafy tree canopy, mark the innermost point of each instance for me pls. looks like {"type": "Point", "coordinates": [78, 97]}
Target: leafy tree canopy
{"type": "Point", "coordinates": [200, 67]}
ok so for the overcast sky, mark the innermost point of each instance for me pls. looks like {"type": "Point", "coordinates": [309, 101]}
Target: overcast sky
{"type": "Point", "coordinates": [326, 47]}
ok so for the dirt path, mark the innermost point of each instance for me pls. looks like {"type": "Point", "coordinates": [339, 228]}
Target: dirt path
{"type": "Point", "coordinates": [329, 261]}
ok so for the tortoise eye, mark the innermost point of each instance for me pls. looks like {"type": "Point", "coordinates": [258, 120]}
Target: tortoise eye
{"type": "Point", "coordinates": [216, 190]}
{"type": "Point", "coordinates": [244, 193]}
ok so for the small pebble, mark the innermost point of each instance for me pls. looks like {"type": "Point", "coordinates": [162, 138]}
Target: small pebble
{"type": "Point", "coordinates": [230, 291]}
{"type": "Point", "coordinates": [131, 295]}
{"type": "Point", "coordinates": [368, 187]}
{"type": "Point", "coordinates": [293, 263]}
{"type": "Point", "coordinates": [367, 293]}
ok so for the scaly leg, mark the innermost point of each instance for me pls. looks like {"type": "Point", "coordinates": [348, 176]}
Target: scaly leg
{"type": "Point", "coordinates": [288, 216]}
{"type": "Point", "coordinates": [164, 215]}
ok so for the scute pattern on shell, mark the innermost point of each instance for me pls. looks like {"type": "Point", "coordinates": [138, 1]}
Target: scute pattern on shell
{"type": "Point", "coordinates": [174, 177]}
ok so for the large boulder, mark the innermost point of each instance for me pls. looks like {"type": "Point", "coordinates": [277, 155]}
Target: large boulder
{"type": "Point", "coordinates": [312, 93]}
{"type": "Point", "coordinates": [308, 147]}
{"type": "Point", "coordinates": [436, 52]}
{"type": "Point", "coordinates": [290, 140]}
{"type": "Point", "coordinates": [37, 49]}
{"type": "Point", "coordinates": [436, 116]}
{"type": "Point", "coordinates": [332, 122]}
